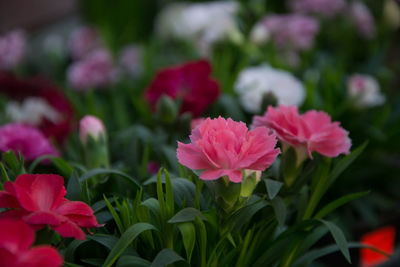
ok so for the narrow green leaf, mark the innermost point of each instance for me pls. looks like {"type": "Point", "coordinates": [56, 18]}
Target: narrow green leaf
{"type": "Point", "coordinates": [160, 196]}
{"type": "Point", "coordinates": [115, 215]}
{"type": "Point", "coordinates": [70, 251]}
{"type": "Point", "coordinates": [309, 257]}
{"type": "Point", "coordinates": [166, 257]}
{"type": "Point", "coordinates": [339, 238]}
{"type": "Point", "coordinates": [126, 239]}
{"type": "Point", "coordinates": [201, 233]}
{"type": "Point", "coordinates": [95, 172]}
{"type": "Point", "coordinates": [344, 163]}
{"type": "Point", "coordinates": [74, 190]}
{"type": "Point", "coordinates": [169, 195]}
{"type": "Point", "coordinates": [187, 215]}
{"type": "Point", "coordinates": [337, 203]}
{"type": "Point", "coordinates": [188, 233]}
{"type": "Point", "coordinates": [273, 187]}
{"type": "Point", "coordinates": [129, 261]}
{"type": "Point", "coordinates": [279, 206]}
{"type": "Point", "coordinates": [244, 215]}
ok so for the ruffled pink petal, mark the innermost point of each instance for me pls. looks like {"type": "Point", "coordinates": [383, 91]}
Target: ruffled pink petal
{"type": "Point", "coordinates": [189, 156]}
{"type": "Point", "coordinates": [212, 174]}
{"type": "Point", "coordinates": [15, 236]}
{"type": "Point", "coordinates": [78, 212]}
{"type": "Point", "coordinates": [13, 214]}
{"type": "Point", "coordinates": [41, 256]}
{"type": "Point", "coordinates": [235, 176]}
{"type": "Point", "coordinates": [22, 188]}
{"type": "Point", "coordinates": [44, 218]}
{"type": "Point", "coordinates": [69, 229]}
{"type": "Point", "coordinates": [47, 191]}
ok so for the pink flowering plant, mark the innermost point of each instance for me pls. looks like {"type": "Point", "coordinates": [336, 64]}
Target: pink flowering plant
{"type": "Point", "coordinates": [201, 133]}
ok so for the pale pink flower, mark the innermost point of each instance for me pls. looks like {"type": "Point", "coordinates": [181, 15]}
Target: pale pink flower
{"type": "Point", "coordinates": [362, 18]}
{"type": "Point", "coordinates": [96, 70]}
{"type": "Point", "coordinates": [12, 49]}
{"type": "Point", "coordinates": [222, 147]}
{"type": "Point", "coordinates": [27, 140]}
{"type": "Point", "coordinates": [90, 126]}
{"type": "Point", "coordinates": [291, 31]}
{"type": "Point", "coordinates": [325, 8]}
{"type": "Point", "coordinates": [83, 41]}
{"type": "Point", "coordinates": [130, 60]}
{"type": "Point", "coordinates": [365, 91]}
{"type": "Point", "coordinates": [312, 131]}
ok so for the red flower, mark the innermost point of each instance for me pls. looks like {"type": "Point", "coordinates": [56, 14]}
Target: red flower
{"type": "Point", "coordinates": [16, 237]}
{"type": "Point", "coordinates": [382, 239]}
{"type": "Point", "coordinates": [190, 81]}
{"type": "Point", "coordinates": [39, 200]}
{"type": "Point", "coordinates": [21, 89]}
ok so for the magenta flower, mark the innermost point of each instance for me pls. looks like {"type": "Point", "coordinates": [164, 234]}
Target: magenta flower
{"type": "Point", "coordinates": [96, 70]}
{"type": "Point", "coordinates": [190, 81]}
{"type": "Point", "coordinates": [224, 147]}
{"type": "Point", "coordinates": [27, 140]}
{"type": "Point", "coordinates": [362, 18]}
{"type": "Point", "coordinates": [291, 32]}
{"type": "Point", "coordinates": [312, 131]}
{"type": "Point", "coordinates": [16, 238]}
{"type": "Point", "coordinates": [38, 199]}
{"type": "Point", "coordinates": [90, 125]}
{"type": "Point", "coordinates": [83, 41]}
{"type": "Point", "coordinates": [325, 8]}
{"type": "Point", "coordinates": [12, 49]}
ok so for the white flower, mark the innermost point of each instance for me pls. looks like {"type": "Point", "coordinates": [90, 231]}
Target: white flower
{"type": "Point", "coordinates": [255, 82]}
{"type": "Point", "coordinates": [31, 111]}
{"type": "Point", "coordinates": [365, 91]}
{"type": "Point", "coordinates": [201, 23]}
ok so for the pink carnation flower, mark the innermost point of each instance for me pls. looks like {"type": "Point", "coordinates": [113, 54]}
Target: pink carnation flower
{"type": "Point", "coordinates": [96, 70]}
{"type": "Point", "coordinates": [83, 41]}
{"type": "Point", "coordinates": [224, 147]}
{"type": "Point", "coordinates": [325, 8]}
{"type": "Point", "coordinates": [27, 140]}
{"type": "Point", "coordinates": [312, 131]}
{"type": "Point", "coordinates": [12, 49]}
{"type": "Point", "coordinates": [38, 199]}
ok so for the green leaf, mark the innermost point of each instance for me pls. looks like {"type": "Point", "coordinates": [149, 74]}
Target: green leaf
{"type": "Point", "coordinates": [70, 252]}
{"type": "Point", "coordinates": [187, 215]}
{"type": "Point", "coordinates": [115, 215]}
{"type": "Point", "coordinates": [344, 163]}
{"type": "Point", "coordinates": [273, 187]}
{"type": "Point", "coordinates": [339, 202]}
{"type": "Point", "coordinates": [339, 238]}
{"type": "Point", "coordinates": [160, 197]}
{"type": "Point", "coordinates": [74, 190]}
{"type": "Point", "coordinates": [313, 255]}
{"type": "Point", "coordinates": [99, 171]}
{"type": "Point", "coordinates": [169, 196]}
{"type": "Point", "coordinates": [166, 257]}
{"type": "Point", "coordinates": [243, 215]}
{"type": "Point", "coordinates": [188, 232]}
{"type": "Point", "coordinates": [201, 233]}
{"type": "Point", "coordinates": [129, 261]}
{"type": "Point", "coordinates": [126, 239]}
{"type": "Point", "coordinates": [279, 206]}
{"type": "Point", "coordinates": [62, 166]}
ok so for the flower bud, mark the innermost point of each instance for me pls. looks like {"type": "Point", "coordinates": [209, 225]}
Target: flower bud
{"type": "Point", "coordinates": [250, 182]}
{"type": "Point", "coordinates": [167, 110]}
{"type": "Point", "coordinates": [90, 126]}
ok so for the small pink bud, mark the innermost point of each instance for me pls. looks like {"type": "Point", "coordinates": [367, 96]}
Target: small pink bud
{"type": "Point", "coordinates": [90, 125]}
